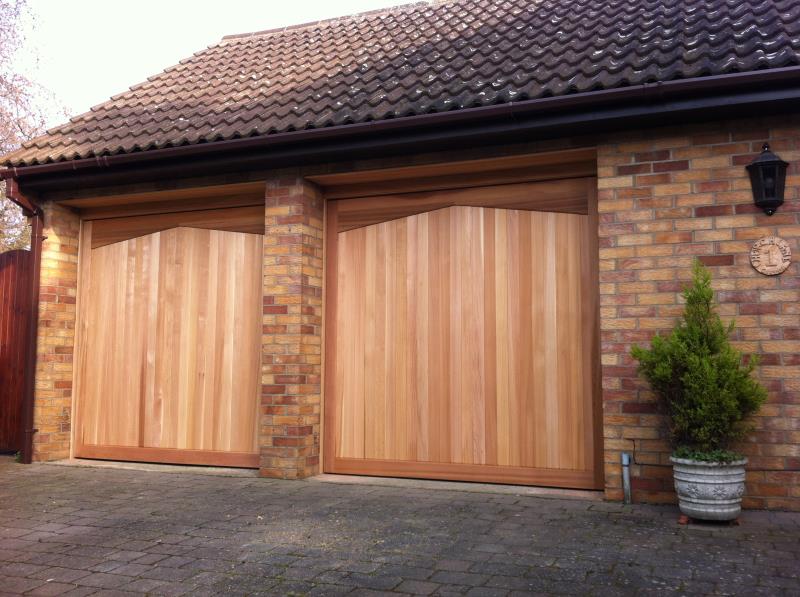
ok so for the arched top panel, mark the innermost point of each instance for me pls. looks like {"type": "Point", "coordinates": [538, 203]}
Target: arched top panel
{"type": "Point", "coordinates": [565, 196]}
{"type": "Point", "coordinates": [237, 219]}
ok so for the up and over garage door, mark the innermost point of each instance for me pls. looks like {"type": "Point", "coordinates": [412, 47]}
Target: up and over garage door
{"type": "Point", "coordinates": [169, 338]}
{"type": "Point", "coordinates": [463, 336]}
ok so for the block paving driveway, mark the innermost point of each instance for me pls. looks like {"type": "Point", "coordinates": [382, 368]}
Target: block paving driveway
{"type": "Point", "coordinates": [104, 531]}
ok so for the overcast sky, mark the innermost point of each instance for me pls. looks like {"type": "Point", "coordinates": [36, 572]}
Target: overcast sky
{"type": "Point", "coordinates": [89, 50]}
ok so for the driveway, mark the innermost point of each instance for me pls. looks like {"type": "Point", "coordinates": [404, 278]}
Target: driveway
{"type": "Point", "coordinates": [99, 531]}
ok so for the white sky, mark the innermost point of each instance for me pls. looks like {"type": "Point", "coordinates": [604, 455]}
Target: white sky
{"type": "Point", "coordinates": [89, 50]}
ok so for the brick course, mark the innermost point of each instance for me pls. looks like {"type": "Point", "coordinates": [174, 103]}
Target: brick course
{"type": "Point", "coordinates": [651, 228]}
{"type": "Point", "coordinates": [292, 334]}
{"type": "Point", "coordinates": [57, 295]}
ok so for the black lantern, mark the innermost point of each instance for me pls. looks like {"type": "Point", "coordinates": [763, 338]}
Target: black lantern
{"type": "Point", "coordinates": [768, 179]}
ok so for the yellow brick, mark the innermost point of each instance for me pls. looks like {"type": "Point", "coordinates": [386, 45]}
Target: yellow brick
{"type": "Point", "coordinates": [608, 288]}
{"type": "Point", "coordinates": [618, 324]}
{"type": "Point", "coordinates": [659, 298]}
{"type": "Point", "coordinates": [734, 221]}
{"type": "Point", "coordinates": [691, 175]}
{"type": "Point", "coordinates": [779, 321]}
{"type": "Point", "coordinates": [636, 287]}
{"type": "Point", "coordinates": [694, 224]}
{"type": "Point", "coordinates": [720, 161]}
{"type": "Point", "coordinates": [615, 182]}
{"type": "Point", "coordinates": [625, 240]}
{"type": "Point", "coordinates": [609, 359]}
{"type": "Point", "coordinates": [779, 296]}
{"type": "Point", "coordinates": [694, 199]}
{"type": "Point", "coordinates": [654, 250]}
{"type": "Point", "coordinates": [608, 312]}
{"type": "Point", "coordinates": [734, 247]}
{"type": "Point", "coordinates": [791, 346]}
{"type": "Point", "coordinates": [656, 274]}
{"type": "Point", "coordinates": [614, 205]}
{"type": "Point", "coordinates": [656, 323]}
{"type": "Point", "coordinates": [779, 372]}
{"type": "Point", "coordinates": [682, 188]}
{"type": "Point", "coordinates": [654, 226]}
{"type": "Point", "coordinates": [712, 235]}
{"type": "Point", "coordinates": [617, 252]}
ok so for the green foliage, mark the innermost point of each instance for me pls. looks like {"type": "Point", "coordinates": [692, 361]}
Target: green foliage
{"type": "Point", "coordinates": [712, 456]}
{"type": "Point", "coordinates": [706, 389]}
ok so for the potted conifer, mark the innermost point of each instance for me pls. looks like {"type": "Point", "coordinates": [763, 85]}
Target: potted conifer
{"type": "Point", "coordinates": [708, 393]}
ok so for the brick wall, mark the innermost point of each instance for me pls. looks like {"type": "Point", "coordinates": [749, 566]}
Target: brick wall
{"type": "Point", "coordinates": [666, 196]}
{"type": "Point", "coordinates": [59, 281]}
{"type": "Point", "coordinates": [292, 334]}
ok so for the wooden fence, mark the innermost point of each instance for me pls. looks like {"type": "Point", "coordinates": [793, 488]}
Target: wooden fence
{"type": "Point", "coordinates": [15, 313]}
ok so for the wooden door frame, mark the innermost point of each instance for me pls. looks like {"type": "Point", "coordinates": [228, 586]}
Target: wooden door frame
{"type": "Point", "coordinates": [406, 180]}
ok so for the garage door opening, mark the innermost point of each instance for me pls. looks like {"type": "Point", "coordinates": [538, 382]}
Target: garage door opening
{"type": "Point", "coordinates": [168, 364]}
{"type": "Point", "coordinates": [463, 337]}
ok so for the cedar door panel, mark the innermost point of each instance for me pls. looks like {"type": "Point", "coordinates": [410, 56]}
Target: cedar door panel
{"type": "Point", "coordinates": [465, 344]}
{"type": "Point", "coordinates": [170, 342]}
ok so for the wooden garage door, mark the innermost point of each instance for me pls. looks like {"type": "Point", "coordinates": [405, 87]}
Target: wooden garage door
{"type": "Point", "coordinates": [466, 348]}
{"type": "Point", "coordinates": [168, 368]}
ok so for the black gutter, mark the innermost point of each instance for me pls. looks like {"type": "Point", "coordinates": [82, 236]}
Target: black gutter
{"type": "Point", "coordinates": [652, 94]}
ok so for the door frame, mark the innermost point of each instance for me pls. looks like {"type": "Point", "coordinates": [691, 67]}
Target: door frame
{"type": "Point", "coordinates": [386, 186]}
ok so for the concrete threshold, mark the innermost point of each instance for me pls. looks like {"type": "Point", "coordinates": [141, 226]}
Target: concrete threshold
{"type": "Point", "coordinates": [217, 471]}
{"type": "Point", "coordinates": [489, 488]}
{"type": "Point", "coordinates": [540, 492]}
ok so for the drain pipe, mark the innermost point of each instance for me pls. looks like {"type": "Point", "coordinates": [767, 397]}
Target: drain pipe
{"type": "Point", "coordinates": [626, 476]}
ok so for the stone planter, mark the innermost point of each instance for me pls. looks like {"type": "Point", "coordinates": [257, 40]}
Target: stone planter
{"type": "Point", "coordinates": [709, 490]}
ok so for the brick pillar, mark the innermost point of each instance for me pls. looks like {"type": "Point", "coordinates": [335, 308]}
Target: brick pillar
{"type": "Point", "coordinates": [58, 283]}
{"type": "Point", "coordinates": [292, 334]}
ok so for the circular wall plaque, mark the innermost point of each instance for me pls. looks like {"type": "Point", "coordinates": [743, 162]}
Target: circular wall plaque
{"type": "Point", "coordinates": [770, 255]}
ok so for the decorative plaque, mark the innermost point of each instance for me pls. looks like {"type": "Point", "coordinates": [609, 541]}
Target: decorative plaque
{"type": "Point", "coordinates": [770, 255]}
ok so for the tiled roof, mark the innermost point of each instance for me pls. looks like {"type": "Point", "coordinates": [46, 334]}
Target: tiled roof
{"type": "Point", "coordinates": [425, 58]}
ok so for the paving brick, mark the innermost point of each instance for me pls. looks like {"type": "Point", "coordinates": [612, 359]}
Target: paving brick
{"type": "Point", "coordinates": [102, 580]}
{"type": "Point", "coordinates": [417, 587]}
{"type": "Point", "coordinates": [52, 588]}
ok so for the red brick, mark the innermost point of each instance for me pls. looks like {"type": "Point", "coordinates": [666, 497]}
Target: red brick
{"type": "Point", "coordinates": [711, 260]}
{"type": "Point", "coordinates": [634, 169]}
{"type": "Point", "coordinates": [671, 166]}
{"type": "Point", "coordinates": [713, 210]}
{"type": "Point", "coordinates": [712, 186]}
{"type": "Point", "coordinates": [758, 309]}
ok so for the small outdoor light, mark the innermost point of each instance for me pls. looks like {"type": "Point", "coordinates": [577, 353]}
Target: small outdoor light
{"type": "Point", "coordinates": [768, 179]}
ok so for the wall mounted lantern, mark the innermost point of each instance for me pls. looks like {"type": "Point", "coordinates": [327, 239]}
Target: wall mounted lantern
{"type": "Point", "coordinates": [768, 179]}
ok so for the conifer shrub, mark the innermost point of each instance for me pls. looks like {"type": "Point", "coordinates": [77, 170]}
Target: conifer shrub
{"type": "Point", "coordinates": [706, 387]}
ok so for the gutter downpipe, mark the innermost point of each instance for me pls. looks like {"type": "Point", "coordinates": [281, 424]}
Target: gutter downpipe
{"type": "Point", "coordinates": [510, 110]}
{"type": "Point", "coordinates": [34, 212]}
{"type": "Point", "coordinates": [625, 458]}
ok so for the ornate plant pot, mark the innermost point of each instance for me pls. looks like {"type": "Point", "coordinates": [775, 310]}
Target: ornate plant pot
{"type": "Point", "coordinates": [709, 490]}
